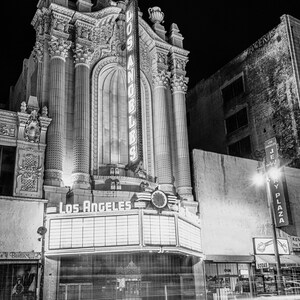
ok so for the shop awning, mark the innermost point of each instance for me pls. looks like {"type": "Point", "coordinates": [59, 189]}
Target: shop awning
{"type": "Point", "coordinates": [263, 261]}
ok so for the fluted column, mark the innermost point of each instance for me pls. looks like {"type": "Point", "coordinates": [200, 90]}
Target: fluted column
{"type": "Point", "coordinates": [81, 146]}
{"type": "Point", "coordinates": [58, 50]}
{"type": "Point", "coordinates": [183, 176]}
{"type": "Point", "coordinates": [161, 132]}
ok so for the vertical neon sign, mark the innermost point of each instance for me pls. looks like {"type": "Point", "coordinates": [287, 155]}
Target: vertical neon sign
{"type": "Point", "coordinates": [133, 86]}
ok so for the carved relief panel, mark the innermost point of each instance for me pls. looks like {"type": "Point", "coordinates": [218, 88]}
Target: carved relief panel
{"type": "Point", "coordinates": [29, 171]}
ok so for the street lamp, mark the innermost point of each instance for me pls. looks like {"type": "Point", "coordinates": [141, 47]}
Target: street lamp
{"type": "Point", "coordinates": [263, 177]}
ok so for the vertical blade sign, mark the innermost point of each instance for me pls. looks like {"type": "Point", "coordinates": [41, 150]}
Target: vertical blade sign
{"type": "Point", "coordinates": [276, 185]}
{"type": "Point", "coordinates": [133, 86]}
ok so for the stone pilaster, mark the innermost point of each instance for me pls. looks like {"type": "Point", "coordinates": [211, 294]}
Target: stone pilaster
{"type": "Point", "coordinates": [41, 23]}
{"type": "Point", "coordinates": [161, 132]}
{"type": "Point", "coordinates": [80, 175]}
{"type": "Point", "coordinates": [38, 55]}
{"type": "Point", "coordinates": [183, 176]}
{"type": "Point", "coordinates": [29, 165]}
{"type": "Point", "coordinates": [58, 49]}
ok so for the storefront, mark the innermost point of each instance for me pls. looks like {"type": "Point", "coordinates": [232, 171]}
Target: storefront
{"type": "Point", "coordinates": [265, 274]}
{"type": "Point", "coordinates": [19, 275]}
{"type": "Point", "coordinates": [228, 277]}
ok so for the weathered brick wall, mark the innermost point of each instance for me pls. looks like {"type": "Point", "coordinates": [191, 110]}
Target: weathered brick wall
{"type": "Point", "coordinates": [271, 96]}
{"type": "Point", "coordinates": [232, 209]}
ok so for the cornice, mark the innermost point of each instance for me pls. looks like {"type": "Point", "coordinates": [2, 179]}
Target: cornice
{"type": "Point", "coordinates": [7, 115]}
{"type": "Point", "coordinates": [62, 10]}
{"type": "Point", "coordinates": [179, 51]}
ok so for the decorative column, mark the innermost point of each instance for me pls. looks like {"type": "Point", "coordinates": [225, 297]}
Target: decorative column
{"type": "Point", "coordinates": [58, 50]}
{"type": "Point", "coordinates": [161, 132]}
{"type": "Point", "coordinates": [183, 176]}
{"type": "Point", "coordinates": [41, 23]}
{"type": "Point", "coordinates": [80, 175]}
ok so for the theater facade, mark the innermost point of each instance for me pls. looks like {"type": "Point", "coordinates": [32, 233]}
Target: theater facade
{"type": "Point", "coordinates": [119, 219]}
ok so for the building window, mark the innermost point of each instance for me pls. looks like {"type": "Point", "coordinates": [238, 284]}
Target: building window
{"type": "Point", "coordinates": [241, 148]}
{"type": "Point", "coordinates": [233, 90]}
{"type": "Point", "coordinates": [7, 167]}
{"type": "Point", "coordinates": [237, 121]}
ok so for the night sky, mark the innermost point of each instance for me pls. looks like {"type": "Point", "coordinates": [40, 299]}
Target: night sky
{"type": "Point", "coordinates": [214, 31]}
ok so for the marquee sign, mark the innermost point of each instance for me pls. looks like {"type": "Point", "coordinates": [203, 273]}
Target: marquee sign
{"type": "Point", "coordinates": [276, 185]}
{"type": "Point", "coordinates": [133, 86]}
{"type": "Point", "coordinates": [88, 206]}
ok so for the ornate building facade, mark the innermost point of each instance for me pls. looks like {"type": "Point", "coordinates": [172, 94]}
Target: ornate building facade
{"type": "Point", "coordinates": [119, 220]}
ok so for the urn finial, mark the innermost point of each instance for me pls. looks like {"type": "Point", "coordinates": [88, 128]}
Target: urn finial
{"type": "Point", "coordinates": [156, 15]}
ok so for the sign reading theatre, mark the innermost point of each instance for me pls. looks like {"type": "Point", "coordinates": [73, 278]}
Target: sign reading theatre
{"type": "Point", "coordinates": [276, 185]}
{"type": "Point", "coordinates": [88, 207]}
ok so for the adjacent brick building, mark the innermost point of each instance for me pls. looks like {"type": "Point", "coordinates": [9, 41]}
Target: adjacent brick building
{"type": "Point", "coordinates": [252, 98]}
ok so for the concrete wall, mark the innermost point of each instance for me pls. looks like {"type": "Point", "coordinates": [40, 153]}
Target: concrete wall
{"type": "Point", "coordinates": [20, 220]}
{"type": "Point", "coordinates": [232, 209]}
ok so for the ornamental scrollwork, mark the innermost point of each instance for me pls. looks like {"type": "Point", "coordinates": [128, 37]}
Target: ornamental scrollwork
{"type": "Point", "coordinates": [7, 130]}
{"type": "Point", "coordinates": [161, 78]}
{"type": "Point", "coordinates": [59, 47]}
{"type": "Point", "coordinates": [162, 58]}
{"type": "Point", "coordinates": [83, 54]}
{"type": "Point", "coordinates": [32, 130]}
{"type": "Point", "coordinates": [84, 32]}
{"type": "Point", "coordinates": [29, 172]}
{"type": "Point", "coordinates": [38, 51]}
{"type": "Point", "coordinates": [179, 83]}
{"type": "Point", "coordinates": [60, 23]}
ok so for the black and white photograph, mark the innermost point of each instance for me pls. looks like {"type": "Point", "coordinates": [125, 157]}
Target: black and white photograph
{"type": "Point", "coordinates": [150, 150]}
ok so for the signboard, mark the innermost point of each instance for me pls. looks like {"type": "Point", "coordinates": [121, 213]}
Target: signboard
{"type": "Point", "coordinates": [261, 265]}
{"type": "Point", "coordinates": [133, 86]}
{"type": "Point", "coordinates": [20, 255]}
{"type": "Point", "coordinates": [88, 206]}
{"type": "Point", "coordinates": [295, 242]}
{"type": "Point", "coordinates": [276, 186]}
{"type": "Point", "coordinates": [266, 246]}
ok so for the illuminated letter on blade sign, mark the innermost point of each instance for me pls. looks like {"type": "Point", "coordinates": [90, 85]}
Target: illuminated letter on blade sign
{"type": "Point", "coordinates": [276, 186]}
{"type": "Point", "coordinates": [133, 86]}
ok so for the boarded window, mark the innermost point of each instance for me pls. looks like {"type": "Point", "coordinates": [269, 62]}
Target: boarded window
{"type": "Point", "coordinates": [233, 90]}
{"type": "Point", "coordinates": [241, 148]}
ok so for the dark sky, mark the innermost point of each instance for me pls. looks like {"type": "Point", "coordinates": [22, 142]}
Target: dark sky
{"type": "Point", "coordinates": [214, 31]}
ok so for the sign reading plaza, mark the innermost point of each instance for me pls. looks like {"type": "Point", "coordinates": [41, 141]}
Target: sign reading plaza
{"type": "Point", "coordinates": [88, 207]}
{"type": "Point", "coordinates": [133, 85]}
{"type": "Point", "coordinates": [276, 185]}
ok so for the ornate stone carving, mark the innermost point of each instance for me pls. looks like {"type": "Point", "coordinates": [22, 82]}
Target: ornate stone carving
{"type": "Point", "coordinates": [161, 78]}
{"type": "Point", "coordinates": [145, 59]}
{"type": "Point", "coordinates": [32, 130]}
{"type": "Point", "coordinates": [29, 172]}
{"type": "Point", "coordinates": [60, 23]}
{"type": "Point", "coordinates": [38, 51]}
{"type": "Point", "coordinates": [45, 111]}
{"type": "Point", "coordinates": [58, 47]}
{"type": "Point", "coordinates": [7, 130]}
{"type": "Point", "coordinates": [83, 54]}
{"type": "Point", "coordinates": [156, 15]}
{"type": "Point", "coordinates": [84, 32]}
{"type": "Point", "coordinates": [23, 107]}
{"type": "Point", "coordinates": [179, 83]}
{"type": "Point", "coordinates": [162, 58]}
